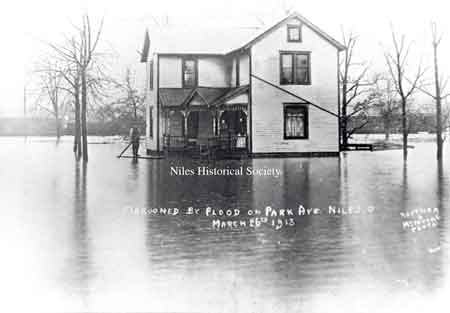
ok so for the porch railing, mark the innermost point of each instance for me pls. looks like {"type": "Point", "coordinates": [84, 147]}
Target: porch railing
{"type": "Point", "coordinates": [227, 143]}
{"type": "Point", "coordinates": [173, 143]}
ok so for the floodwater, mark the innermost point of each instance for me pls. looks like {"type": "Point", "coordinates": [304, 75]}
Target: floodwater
{"type": "Point", "coordinates": [81, 237]}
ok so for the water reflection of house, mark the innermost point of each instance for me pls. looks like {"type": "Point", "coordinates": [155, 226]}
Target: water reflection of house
{"type": "Point", "coordinates": [271, 92]}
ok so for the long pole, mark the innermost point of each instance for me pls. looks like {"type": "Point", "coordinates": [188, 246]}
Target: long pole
{"type": "Point", "coordinates": [123, 151]}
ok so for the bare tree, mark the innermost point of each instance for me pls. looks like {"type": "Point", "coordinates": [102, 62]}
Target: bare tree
{"type": "Point", "coordinates": [386, 104]}
{"type": "Point", "coordinates": [397, 62]}
{"type": "Point", "coordinates": [53, 88]}
{"type": "Point", "coordinates": [440, 86]}
{"type": "Point", "coordinates": [354, 88]}
{"type": "Point", "coordinates": [70, 75]}
{"type": "Point", "coordinates": [78, 53]}
{"type": "Point", "coordinates": [132, 98]}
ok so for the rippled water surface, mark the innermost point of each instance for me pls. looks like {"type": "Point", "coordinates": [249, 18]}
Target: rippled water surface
{"type": "Point", "coordinates": [71, 242]}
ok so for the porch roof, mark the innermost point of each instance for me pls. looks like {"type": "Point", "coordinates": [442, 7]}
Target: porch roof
{"type": "Point", "coordinates": [170, 97]}
{"type": "Point", "coordinates": [230, 94]}
{"type": "Point", "coordinates": [212, 96]}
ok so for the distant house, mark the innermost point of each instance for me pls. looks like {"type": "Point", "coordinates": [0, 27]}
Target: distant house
{"type": "Point", "coordinates": [271, 93]}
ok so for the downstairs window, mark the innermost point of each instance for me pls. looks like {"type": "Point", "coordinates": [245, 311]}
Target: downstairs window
{"type": "Point", "coordinates": [295, 122]}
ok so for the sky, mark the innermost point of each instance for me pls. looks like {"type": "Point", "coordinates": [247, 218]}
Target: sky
{"type": "Point", "coordinates": [26, 27]}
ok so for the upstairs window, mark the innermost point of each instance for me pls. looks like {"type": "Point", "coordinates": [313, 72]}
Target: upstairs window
{"type": "Point", "coordinates": [294, 33]}
{"type": "Point", "coordinates": [295, 68]}
{"type": "Point", "coordinates": [189, 72]}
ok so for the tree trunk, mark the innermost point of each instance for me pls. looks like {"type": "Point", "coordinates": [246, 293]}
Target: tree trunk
{"type": "Point", "coordinates": [77, 139]}
{"type": "Point", "coordinates": [439, 140]}
{"type": "Point", "coordinates": [344, 131]}
{"type": "Point", "coordinates": [84, 115]}
{"type": "Point", "coordinates": [387, 128]}
{"type": "Point", "coordinates": [344, 115]}
{"type": "Point", "coordinates": [388, 113]}
{"type": "Point", "coordinates": [58, 127]}
{"type": "Point", "coordinates": [405, 130]}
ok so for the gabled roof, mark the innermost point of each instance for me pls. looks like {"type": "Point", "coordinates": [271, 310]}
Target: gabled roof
{"type": "Point", "coordinates": [231, 93]}
{"type": "Point", "coordinates": [219, 41]}
{"type": "Point", "coordinates": [211, 96]}
{"type": "Point", "coordinates": [173, 96]}
{"type": "Point", "coordinates": [304, 21]}
{"type": "Point", "coordinates": [181, 97]}
{"type": "Point", "coordinates": [214, 40]}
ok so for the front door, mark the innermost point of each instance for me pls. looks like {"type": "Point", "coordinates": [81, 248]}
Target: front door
{"type": "Point", "coordinates": [192, 125]}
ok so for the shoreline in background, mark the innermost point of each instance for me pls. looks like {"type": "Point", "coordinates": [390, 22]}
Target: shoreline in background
{"type": "Point", "coordinates": [357, 138]}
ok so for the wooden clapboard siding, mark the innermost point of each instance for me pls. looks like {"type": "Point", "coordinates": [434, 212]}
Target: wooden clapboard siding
{"type": "Point", "coordinates": [262, 58]}
{"type": "Point", "coordinates": [212, 71]}
{"type": "Point", "coordinates": [167, 69]}
{"type": "Point", "coordinates": [244, 69]}
{"type": "Point", "coordinates": [170, 72]}
{"type": "Point", "coordinates": [267, 102]}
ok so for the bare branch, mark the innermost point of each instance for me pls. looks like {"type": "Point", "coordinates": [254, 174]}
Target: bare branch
{"type": "Point", "coordinates": [355, 129]}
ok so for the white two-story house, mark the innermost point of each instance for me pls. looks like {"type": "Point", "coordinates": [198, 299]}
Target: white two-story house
{"type": "Point", "coordinates": [275, 93]}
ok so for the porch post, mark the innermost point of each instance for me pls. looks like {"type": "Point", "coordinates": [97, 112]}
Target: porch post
{"type": "Point", "coordinates": [214, 121]}
{"type": "Point", "coordinates": [166, 134]}
{"type": "Point", "coordinates": [219, 115]}
{"type": "Point", "coordinates": [185, 124]}
{"type": "Point", "coordinates": [247, 130]}
{"type": "Point", "coordinates": [167, 122]}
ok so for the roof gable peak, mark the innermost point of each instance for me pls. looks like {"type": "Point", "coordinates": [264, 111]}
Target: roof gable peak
{"type": "Point", "coordinates": [303, 21]}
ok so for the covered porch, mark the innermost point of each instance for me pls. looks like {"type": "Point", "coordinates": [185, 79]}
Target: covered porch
{"type": "Point", "coordinates": [208, 121]}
